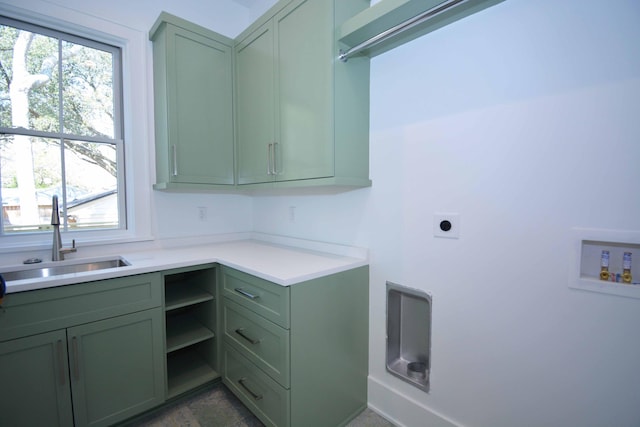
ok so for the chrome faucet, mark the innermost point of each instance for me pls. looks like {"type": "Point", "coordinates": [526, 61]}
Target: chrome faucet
{"type": "Point", "coordinates": [57, 250]}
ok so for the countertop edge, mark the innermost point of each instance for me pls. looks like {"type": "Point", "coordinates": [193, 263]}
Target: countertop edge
{"type": "Point", "coordinates": [249, 256]}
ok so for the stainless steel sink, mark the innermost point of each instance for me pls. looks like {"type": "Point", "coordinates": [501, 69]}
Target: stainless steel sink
{"type": "Point", "coordinates": [63, 267]}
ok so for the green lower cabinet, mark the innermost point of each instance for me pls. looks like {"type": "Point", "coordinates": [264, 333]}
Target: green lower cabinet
{"type": "Point", "coordinates": [90, 354]}
{"type": "Point", "coordinates": [110, 369]}
{"type": "Point", "coordinates": [116, 367]}
{"type": "Point", "coordinates": [35, 381]}
{"type": "Point", "coordinates": [191, 328]}
{"type": "Point", "coordinates": [267, 399]}
{"type": "Point", "coordinates": [264, 343]}
{"type": "Point", "coordinates": [297, 355]}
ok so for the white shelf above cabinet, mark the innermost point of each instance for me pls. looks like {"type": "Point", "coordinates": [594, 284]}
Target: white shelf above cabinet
{"type": "Point", "coordinates": [387, 14]}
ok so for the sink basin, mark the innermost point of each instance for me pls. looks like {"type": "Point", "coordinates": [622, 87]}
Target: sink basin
{"type": "Point", "coordinates": [63, 267]}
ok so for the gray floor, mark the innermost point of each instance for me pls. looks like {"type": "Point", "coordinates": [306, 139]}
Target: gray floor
{"type": "Point", "coordinates": [218, 407]}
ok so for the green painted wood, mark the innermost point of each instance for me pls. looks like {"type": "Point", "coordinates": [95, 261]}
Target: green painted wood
{"type": "Point", "coordinates": [304, 44]}
{"type": "Point", "coordinates": [329, 348]}
{"type": "Point", "coordinates": [191, 327]}
{"type": "Point", "coordinates": [271, 301]}
{"type": "Point", "coordinates": [188, 370]}
{"type": "Point", "coordinates": [33, 312]}
{"type": "Point", "coordinates": [35, 381]}
{"type": "Point", "coordinates": [331, 185]}
{"type": "Point", "coordinates": [116, 367]}
{"type": "Point", "coordinates": [267, 399]}
{"type": "Point", "coordinates": [182, 296]}
{"type": "Point", "coordinates": [327, 353]}
{"type": "Point", "coordinates": [191, 187]}
{"type": "Point", "coordinates": [387, 14]}
{"type": "Point", "coordinates": [184, 330]}
{"type": "Point", "coordinates": [264, 343]}
{"type": "Point", "coordinates": [193, 85]}
{"type": "Point", "coordinates": [321, 113]}
{"type": "Point", "coordinates": [189, 286]}
{"type": "Point", "coordinates": [103, 318]}
{"type": "Point", "coordinates": [351, 108]}
{"type": "Point", "coordinates": [255, 113]}
{"type": "Point", "coordinates": [289, 90]}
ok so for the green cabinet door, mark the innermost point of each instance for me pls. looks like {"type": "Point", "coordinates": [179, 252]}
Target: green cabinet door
{"type": "Point", "coordinates": [256, 116]}
{"type": "Point", "coordinates": [34, 377]}
{"type": "Point", "coordinates": [193, 82]}
{"type": "Point", "coordinates": [116, 367]}
{"type": "Point", "coordinates": [305, 147]}
{"type": "Point", "coordinates": [284, 94]}
{"type": "Point", "coordinates": [302, 115]}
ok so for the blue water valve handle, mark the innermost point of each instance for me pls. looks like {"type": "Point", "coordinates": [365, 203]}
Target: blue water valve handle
{"type": "Point", "coordinates": [3, 288]}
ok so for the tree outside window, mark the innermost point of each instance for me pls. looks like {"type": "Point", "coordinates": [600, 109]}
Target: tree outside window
{"type": "Point", "coordinates": [60, 130]}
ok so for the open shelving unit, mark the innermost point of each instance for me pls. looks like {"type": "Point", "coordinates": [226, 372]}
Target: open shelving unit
{"type": "Point", "coordinates": [190, 314]}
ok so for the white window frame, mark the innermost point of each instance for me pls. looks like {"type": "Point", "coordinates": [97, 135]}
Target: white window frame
{"type": "Point", "coordinates": [117, 140]}
{"type": "Point", "coordinates": [135, 126]}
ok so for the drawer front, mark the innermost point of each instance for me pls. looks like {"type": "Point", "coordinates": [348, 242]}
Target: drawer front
{"type": "Point", "coordinates": [260, 393]}
{"type": "Point", "coordinates": [34, 312]}
{"type": "Point", "coordinates": [261, 341]}
{"type": "Point", "coordinates": [267, 299]}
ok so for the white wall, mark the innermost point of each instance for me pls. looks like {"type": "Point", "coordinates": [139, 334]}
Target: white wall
{"type": "Point", "coordinates": [524, 119]}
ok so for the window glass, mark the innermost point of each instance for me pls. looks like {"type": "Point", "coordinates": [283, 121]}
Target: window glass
{"type": "Point", "coordinates": [87, 91]}
{"type": "Point", "coordinates": [59, 130]}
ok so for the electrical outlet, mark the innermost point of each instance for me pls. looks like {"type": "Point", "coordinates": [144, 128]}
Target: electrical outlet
{"type": "Point", "coordinates": [202, 213]}
{"type": "Point", "coordinates": [446, 225]}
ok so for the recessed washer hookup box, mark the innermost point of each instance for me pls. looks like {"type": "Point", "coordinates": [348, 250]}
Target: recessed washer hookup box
{"type": "Point", "coordinates": [409, 334]}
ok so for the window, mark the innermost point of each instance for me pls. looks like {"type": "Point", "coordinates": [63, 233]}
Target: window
{"type": "Point", "coordinates": [61, 130]}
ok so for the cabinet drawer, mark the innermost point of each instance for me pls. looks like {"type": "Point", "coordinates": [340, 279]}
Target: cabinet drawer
{"type": "Point", "coordinates": [264, 343]}
{"type": "Point", "coordinates": [267, 299]}
{"type": "Point", "coordinates": [265, 397]}
{"type": "Point", "coordinates": [34, 312]}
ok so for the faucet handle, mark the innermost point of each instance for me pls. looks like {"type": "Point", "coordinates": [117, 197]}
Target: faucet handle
{"type": "Point", "coordinates": [73, 248]}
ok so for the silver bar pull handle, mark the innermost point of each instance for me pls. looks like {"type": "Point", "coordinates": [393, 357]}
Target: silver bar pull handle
{"type": "Point", "coordinates": [242, 381]}
{"type": "Point", "coordinates": [240, 331]}
{"type": "Point", "coordinates": [175, 159]}
{"type": "Point", "coordinates": [76, 364]}
{"type": "Point", "coordinates": [275, 159]}
{"type": "Point", "coordinates": [269, 159]}
{"type": "Point", "coordinates": [61, 364]}
{"type": "Point", "coordinates": [246, 294]}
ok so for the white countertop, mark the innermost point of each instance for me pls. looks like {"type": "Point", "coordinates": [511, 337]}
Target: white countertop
{"type": "Point", "coordinates": [283, 265]}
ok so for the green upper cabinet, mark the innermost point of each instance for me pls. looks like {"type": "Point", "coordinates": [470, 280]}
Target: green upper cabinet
{"type": "Point", "coordinates": [193, 92]}
{"type": "Point", "coordinates": [276, 107]}
{"type": "Point", "coordinates": [256, 116]}
{"type": "Point", "coordinates": [305, 146]}
{"type": "Point", "coordinates": [302, 115]}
